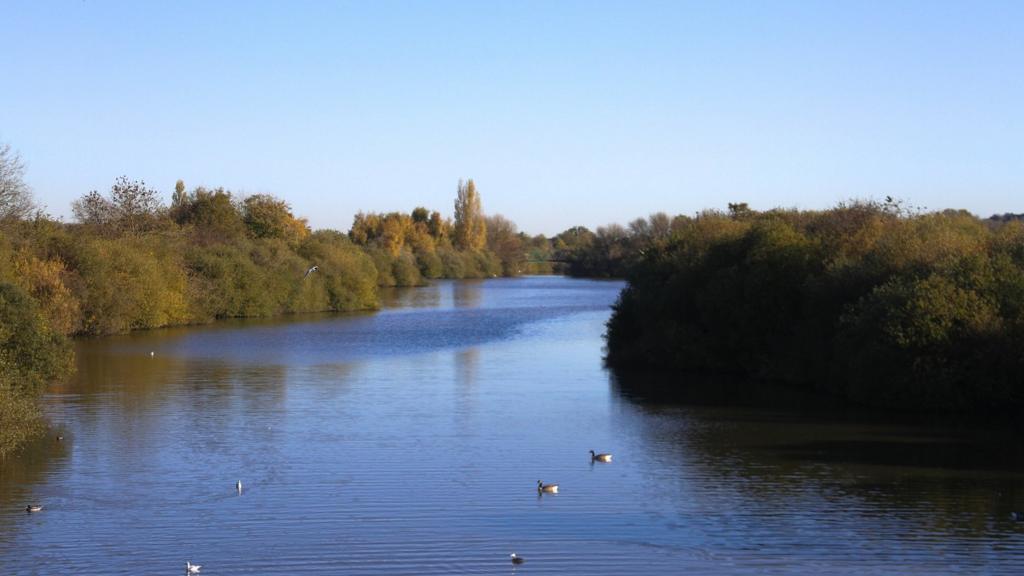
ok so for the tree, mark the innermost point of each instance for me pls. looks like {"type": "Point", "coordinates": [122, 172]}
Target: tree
{"type": "Point", "coordinates": [131, 209]}
{"type": "Point", "coordinates": [135, 205]}
{"type": "Point", "coordinates": [269, 217]}
{"type": "Point", "coordinates": [503, 239]}
{"type": "Point", "coordinates": [470, 228]}
{"type": "Point", "coordinates": [180, 196]}
{"type": "Point", "coordinates": [93, 209]}
{"type": "Point", "coordinates": [739, 210]}
{"type": "Point", "coordinates": [437, 226]}
{"type": "Point", "coordinates": [15, 195]}
{"type": "Point", "coordinates": [213, 214]}
{"type": "Point", "coordinates": [420, 215]}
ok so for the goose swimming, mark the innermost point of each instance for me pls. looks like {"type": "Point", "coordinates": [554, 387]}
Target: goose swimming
{"type": "Point", "coordinates": [600, 457]}
{"type": "Point", "coordinates": [550, 488]}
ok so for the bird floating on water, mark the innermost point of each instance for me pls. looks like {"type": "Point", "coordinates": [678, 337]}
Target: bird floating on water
{"type": "Point", "coordinates": [33, 508]}
{"type": "Point", "coordinates": [550, 488]}
{"type": "Point", "coordinates": [517, 559]}
{"type": "Point", "coordinates": [191, 568]}
{"type": "Point", "coordinates": [310, 271]}
{"type": "Point", "coordinates": [600, 457]}
{"type": "Point", "coordinates": [238, 486]}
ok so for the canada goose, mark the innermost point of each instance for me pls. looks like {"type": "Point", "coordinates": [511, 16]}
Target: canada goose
{"type": "Point", "coordinates": [600, 457]}
{"type": "Point", "coordinates": [191, 568]}
{"type": "Point", "coordinates": [33, 508]}
{"type": "Point", "coordinates": [517, 559]}
{"type": "Point", "coordinates": [238, 486]}
{"type": "Point", "coordinates": [542, 487]}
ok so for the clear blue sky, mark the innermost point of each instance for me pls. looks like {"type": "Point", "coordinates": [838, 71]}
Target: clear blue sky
{"type": "Point", "coordinates": [564, 113]}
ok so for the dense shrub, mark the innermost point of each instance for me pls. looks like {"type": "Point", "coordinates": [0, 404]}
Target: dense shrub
{"type": "Point", "coordinates": [30, 356]}
{"type": "Point", "coordinates": [919, 311]}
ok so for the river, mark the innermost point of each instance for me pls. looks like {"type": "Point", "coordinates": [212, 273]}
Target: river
{"type": "Point", "coordinates": [410, 441]}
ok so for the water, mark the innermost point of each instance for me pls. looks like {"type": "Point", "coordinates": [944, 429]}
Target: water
{"type": "Point", "coordinates": [410, 442]}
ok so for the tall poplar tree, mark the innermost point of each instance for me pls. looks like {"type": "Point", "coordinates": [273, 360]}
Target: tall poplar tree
{"type": "Point", "coordinates": [470, 228]}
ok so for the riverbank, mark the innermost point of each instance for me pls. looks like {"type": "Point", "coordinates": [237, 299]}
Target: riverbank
{"type": "Point", "coordinates": [422, 430]}
{"type": "Point", "coordinates": [910, 312]}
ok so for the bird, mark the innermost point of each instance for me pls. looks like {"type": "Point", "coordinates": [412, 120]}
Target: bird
{"type": "Point", "coordinates": [238, 486]}
{"type": "Point", "coordinates": [191, 568]}
{"type": "Point", "coordinates": [151, 353]}
{"type": "Point", "coordinates": [33, 508]}
{"type": "Point", "coordinates": [1017, 516]}
{"type": "Point", "coordinates": [310, 271]}
{"type": "Point", "coordinates": [59, 437]}
{"type": "Point", "coordinates": [551, 488]}
{"type": "Point", "coordinates": [600, 457]}
{"type": "Point", "coordinates": [517, 559]}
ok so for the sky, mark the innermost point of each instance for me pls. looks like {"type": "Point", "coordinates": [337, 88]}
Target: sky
{"type": "Point", "coordinates": [563, 113]}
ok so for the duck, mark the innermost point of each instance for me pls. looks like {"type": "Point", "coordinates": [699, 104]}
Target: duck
{"type": "Point", "coordinates": [191, 568]}
{"type": "Point", "coordinates": [34, 508]}
{"type": "Point", "coordinates": [517, 559]}
{"type": "Point", "coordinates": [551, 488]}
{"type": "Point", "coordinates": [600, 457]}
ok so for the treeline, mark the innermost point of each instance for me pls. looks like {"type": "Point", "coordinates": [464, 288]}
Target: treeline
{"type": "Point", "coordinates": [129, 261]}
{"type": "Point", "coordinates": [408, 248]}
{"type": "Point", "coordinates": [870, 302]}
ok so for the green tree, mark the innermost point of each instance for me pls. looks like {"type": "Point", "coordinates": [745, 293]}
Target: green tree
{"type": "Point", "coordinates": [420, 215]}
{"type": "Point", "coordinates": [213, 215]}
{"type": "Point", "coordinates": [270, 217]}
{"type": "Point", "coordinates": [503, 239]}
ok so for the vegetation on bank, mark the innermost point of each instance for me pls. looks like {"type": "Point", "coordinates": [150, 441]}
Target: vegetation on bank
{"type": "Point", "coordinates": [129, 262]}
{"type": "Point", "coordinates": [866, 301]}
{"type": "Point", "coordinates": [870, 302]}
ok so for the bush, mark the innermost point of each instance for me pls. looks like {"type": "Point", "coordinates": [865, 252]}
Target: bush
{"type": "Point", "coordinates": [917, 311]}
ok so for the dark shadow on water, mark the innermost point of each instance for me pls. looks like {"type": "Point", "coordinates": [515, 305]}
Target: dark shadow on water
{"type": "Point", "coordinates": [938, 451]}
{"type": "Point", "coordinates": [855, 435]}
{"type": "Point", "coordinates": [778, 451]}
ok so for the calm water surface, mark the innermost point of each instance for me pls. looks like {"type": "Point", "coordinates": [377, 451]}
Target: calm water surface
{"type": "Point", "coordinates": [410, 442]}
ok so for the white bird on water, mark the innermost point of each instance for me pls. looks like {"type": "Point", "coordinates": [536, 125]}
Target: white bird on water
{"type": "Point", "coordinates": [191, 568]}
{"type": "Point", "coordinates": [310, 271]}
{"type": "Point", "coordinates": [238, 486]}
